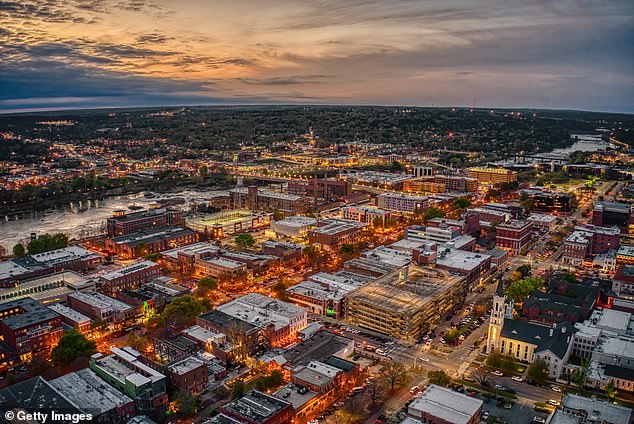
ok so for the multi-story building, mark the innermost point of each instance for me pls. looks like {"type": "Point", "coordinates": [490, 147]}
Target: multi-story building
{"type": "Point", "coordinates": [254, 198]}
{"type": "Point", "coordinates": [129, 277]}
{"type": "Point", "coordinates": [474, 266]}
{"type": "Point", "coordinates": [423, 171]}
{"type": "Point", "coordinates": [623, 282]}
{"type": "Point", "coordinates": [423, 185]}
{"type": "Point", "coordinates": [124, 371]}
{"type": "Point", "coordinates": [582, 410]}
{"type": "Point", "coordinates": [331, 233]}
{"type": "Point", "coordinates": [98, 306]}
{"type": "Point", "coordinates": [189, 374]}
{"type": "Point", "coordinates": [72, 317]}
{"type": "Point", "coordinates": [547, 201]}
{"type": "Point", "coordinates": [577, 246]}
{"type": "Point", "coordinates": [405, 309]}
{"type": "Point", "coordinates": [492, 175]}
{"type": "Point", "coordinates": [49, 288]}
{"type": "Point", "coordinates": [257, 263]}
{"type": "Point", "coordinates": [28, 267]}
{"type": "Point", "coordinates": [284, 250]}
{"type": "Point", "coordinates": [123, 223]}
{"type": "Point", "coordinates": [256, 407]}
{"type": "Point", "coordinates": [293, 226]}
{"type": "Point", "coordinates": [440, 405]}
{"type": "Point", "coordinates": [401, 202]}
{"type": "Point", "coordinates": [609, 214]}
{"type": "Point", "coordinates": [324, 293]}
{"type": "Point", "coordinates": [514, 236]}
{"type": "Point", "coordinates": [219, 267]}
{"type": "Point", "coordinates": [317, 376]}
{"type": "Point", "coordinates": [222, 224]}
{"type": "Point", "coordinates": [457, 183]}
{"type": "Point", "coordinates": [29, 328]}
{"type": "Point", "coordinates": [527, 341]}
{"type": "Point", "coordinates": [364, 214]}
{"type": "Point", "coordinates": [152, 240]}
{"type": "Point", "coordinates": [625, 255]}
{"type": "Point", "coordinates": [441, 234]}
{"type": "Point", "coordinates": [322, 188]}
{"type": "Point", "coordinates": [88, 391]}
{"type": "Point", "coordinates": [279, 321]}
{"type": "Point", "coordinates": [542, 221]}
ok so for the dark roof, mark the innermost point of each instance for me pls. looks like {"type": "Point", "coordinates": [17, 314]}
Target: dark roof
{"type": "Point", "coordinates": [35, 394]}
{"type": "Point", "coordinates": [222, 320]}
{"type": "Point", "coordinates": [619, 372]}
{"type": "Point", "coordinates": [539, 335]}
{"type": "Point", "coordinates": [152, 235]}
{"type": "Point", "coordinates": [255, 406]}
{"type": "Point", "coordinates": [500, 290]}
{"type": "Point", "coordinates": [31, 312]}
{"type": "Point", "coordinates": [342, 364]}
{"type": "Point", "coordinates": [319, 347]}
{"type": "Point", "coordinates": [547, 305]}
{"type": "Point", "coordinates": [496, 252]}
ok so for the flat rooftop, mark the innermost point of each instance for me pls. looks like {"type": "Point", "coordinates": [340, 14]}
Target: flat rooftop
{"type": "Point", "coordinates": [127, 270]}
{"type": "Point", "coordinates": [151, 235]}
{"type": "Point", "coordinates": [224, 263]}
{"type": "Point", "coordinates": [101, 301]}
{"type": "Point", "coordinates": [186, 365]}
{"type": "Point", "coordinates": [256, 406]}
{"type": "Point", "coordinates": [69, 313]}
{"type": "Point", "coordinates": [292, 393]}
{"type": "Point", "coordinates": [598, 410]}
{"type": "Point", "coordinates": [462, 259]}
{"type": "Point", "coordinates": [297, 221]}
{"type": "Point", "coordinates": [88, 390]}
{"type": "Point", "coordinates": [422, 286]}
{"type": "Point", "coordinates": [199, 248]}
{"type": "Point", "coordinates": [31, 312]}
{"type": "Point", "coordinates": [261, 310]}
{"type": "Point", "coordinates": [447, 405]}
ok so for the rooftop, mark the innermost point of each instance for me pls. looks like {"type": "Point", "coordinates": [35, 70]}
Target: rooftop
{"type": "Point", "coordinates": [256, 406]}
{"type": "Point", "coordinates": [89, 391]}
{"type": "Point", "coordinates": [296, 221]}
{"type": "Point", "coordinates": [292, 393]}
{"type": "Point", "coordinates": [191, 250]}
{"type": "Point", "coordinates": [224, 263]}
{"type": "Point", "coordinates": [461, 259]}
{"type": "Point", "coordinates": [69, 313]}
{"type": "Point", "coordinates": [151, 235]}
{"type": "Point", "coordinates": [128, 269]}
{"type": "Point", "coordinates": [446, 404]}
{"type": "Point", "coordinates": [598, 410]}
{"type": "Point", "coordinates": [29, 312]}
{"type": "Point", "coordinates": [186, 365]}
{"type": "Point", "coordinates": [100, 301]}
{"type": "Point", "coordinates": [261, 310]}
{"type": "Point", "coordinates": [318, 348]}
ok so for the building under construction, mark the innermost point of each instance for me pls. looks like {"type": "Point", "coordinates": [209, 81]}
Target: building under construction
{"type": "Point", "coordinates": [405, 309]}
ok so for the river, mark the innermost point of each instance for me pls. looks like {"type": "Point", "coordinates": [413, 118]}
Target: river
{"type": "Point", "coordinates": [81, 219]}
{"type": "Point", "coordinates": [584, 143]}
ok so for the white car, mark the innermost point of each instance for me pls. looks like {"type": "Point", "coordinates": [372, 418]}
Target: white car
{"type": "Point", "coordinates": [422, 358]}
{"type": "Point", "coordinates": [516, 378]}
{"type": "Point", "coordinates": [553, 402]}
{"type": "Point", "coordinates": [556, 389]}
{"type": "Point", "coordinates": [497, 373]}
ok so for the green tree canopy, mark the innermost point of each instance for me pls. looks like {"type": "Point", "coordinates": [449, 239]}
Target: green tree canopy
{"type": "Point", "coordinates": [432, 213]}
{"type": "Point", "coordinates": [238, 389]}
{"type": "Point", "coordinates": [185, 404]}
{"type": "Point", "coordinates": [19, 250]}
{"type": "Point", "coordinates": [441, 378]}
{"type": "Point", "coordinates": [47, 242]}
{"type": "Point", "coordinates": [538, 371]}
{"type": "Point", "coordinates": [520, 289]}
{"type": "Point", "coordinates": [461, 203]}
{"type": "Point", "coordinates": [71, 346]}
{"type": "Point", "coordinates": [183, 310]}
{"type": "Point", "coordinates": [244, 241]}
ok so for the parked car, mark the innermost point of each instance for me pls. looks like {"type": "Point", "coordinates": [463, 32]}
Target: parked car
{"type": "Point", "coordinates": [497, 373]}
{"type": "Point", "coordinates": [516, 378]}
{"type": "Point", "coordinates": [556, 389]}
{"type": "Point", "coordinates": [485, 415]}
{"type": "Point", "coordinates": [553, 402]}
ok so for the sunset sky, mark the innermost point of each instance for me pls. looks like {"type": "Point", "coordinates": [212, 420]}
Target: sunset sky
{"type": "Point", "coordinates": [571, 54]}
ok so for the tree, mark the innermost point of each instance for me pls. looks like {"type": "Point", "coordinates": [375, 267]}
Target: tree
{"type": "Point", "coordinates": [346, 251]}
{"type": "Point", "coordinates": [138, 342]}
{"type": "Point", "coordinates": [183, 310]}
{"type": "Point", "coordinates": [185, 404]}
{"type": "Point", "coordinates": [244, 241]}
{"type": "Point", "coordinates": [580, 374]}
{"type": "Point", "coordinates": [538, 371]}
{"type": "Point", "coordinates": [377, 222]}
{"type": "Point", "coordinates": [71, 346]}
{"type": "Point", "coordinates": [352, 412]}
{"type": "Point", "coordinates": [238, 389]}
{"type": "Point", "coordinates": [439, 378]}
{"type": "Point", "coordinates": [452, 335]}
{"type": "Point", "coordinates": [98, 326]}
{"type": "Point", "coordinates": [205, 286]}
{"type": "Point", "coordinates": [47, 242]}
{"type": "Point", "coordinates": [279, 290]}
{"type": "Point", "coordinates": [461, 203]}
{"type": "Point", "coordinates": [19, 250]}
{"type": "Point", "coordinates": [394, 374]}
{"type": "Point", "coordinates": [432, 213]}
{"type": "Point", "coordinates": [376, 391]}
{"type": "Point", "coordinates": [521, 289]}
{"type": "Point", "coordinates": [272, 381]}
{"type": "Point", "coordinates": [610, 391]}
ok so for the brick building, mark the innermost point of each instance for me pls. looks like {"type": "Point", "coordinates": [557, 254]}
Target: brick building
{"type": "Point", "coordinates": [123, 223]}
{"type": "Point", "coordinates": [129, 277]}
{"type": "Point", "coordinates": [513, 236]}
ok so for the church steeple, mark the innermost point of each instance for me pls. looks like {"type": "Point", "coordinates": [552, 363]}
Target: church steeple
{"type": "Point", "coordinates": [497, 317]}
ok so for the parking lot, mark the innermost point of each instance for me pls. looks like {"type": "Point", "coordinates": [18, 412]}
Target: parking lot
{"type": "Point", "coordinates": [517, 414]}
